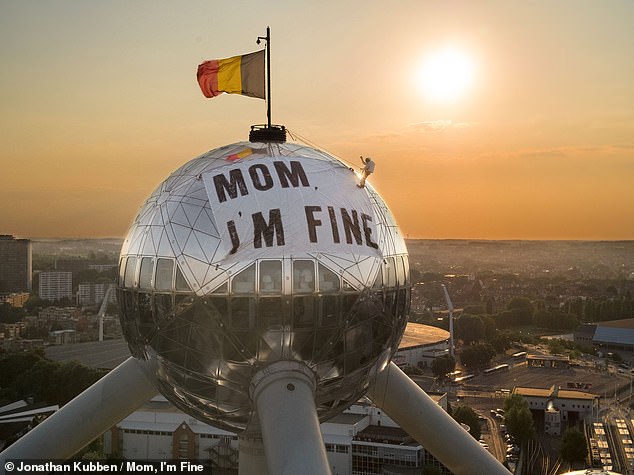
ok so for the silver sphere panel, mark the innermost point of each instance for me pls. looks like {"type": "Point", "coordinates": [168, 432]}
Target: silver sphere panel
{"type": "Point", "coordinates": [214, 286]}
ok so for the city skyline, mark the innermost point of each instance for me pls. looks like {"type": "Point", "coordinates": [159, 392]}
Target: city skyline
{"type": "Point", "coordinates": [101, 104]}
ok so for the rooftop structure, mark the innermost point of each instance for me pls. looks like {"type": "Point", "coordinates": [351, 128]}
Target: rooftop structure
{"type": "Point", "coordinates": [360, 440]}
{"type": "Point", "coordinates": [570, 406]}
{"type": "Point", "coordinates": [547, 361]}
{"type": "Point", "coordinates": [613, 335]}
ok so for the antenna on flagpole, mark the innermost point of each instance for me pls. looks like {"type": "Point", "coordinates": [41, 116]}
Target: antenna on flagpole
{"type": "Point", "coordinates": [268, 132]}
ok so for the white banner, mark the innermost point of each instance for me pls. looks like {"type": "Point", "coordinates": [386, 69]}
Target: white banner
{"type": "Point", "coordinates": [280, 205]}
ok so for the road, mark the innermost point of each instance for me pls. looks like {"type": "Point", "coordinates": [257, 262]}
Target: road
{"type": "Point", "coordinates": [105, 354]}
{"type": "Point", "coordinates": [493, 437]}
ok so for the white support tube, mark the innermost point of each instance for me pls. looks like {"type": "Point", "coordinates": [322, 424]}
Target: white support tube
{"type": "Point", "coordinates": [284, 397]}
{"type": "Point", "coordinates": [418, 414]}
{"type": "Point", "coordinates": [87, 416]}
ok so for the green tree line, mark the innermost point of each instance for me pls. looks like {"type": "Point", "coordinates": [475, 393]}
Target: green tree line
{"type": "Point", "coordinates": [31, 374]}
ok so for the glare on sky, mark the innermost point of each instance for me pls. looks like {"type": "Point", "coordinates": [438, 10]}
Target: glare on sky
{"type": "Point", "coordinates": [447, 74]}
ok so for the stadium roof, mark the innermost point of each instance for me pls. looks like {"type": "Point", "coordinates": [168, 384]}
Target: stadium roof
{"type": "Point", "coordinates": [615, 333]}
{"type": "Point", "coordinates": [417, 334]}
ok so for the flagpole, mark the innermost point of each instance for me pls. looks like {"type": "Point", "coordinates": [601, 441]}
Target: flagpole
{"type": "Point", "coordinates": [268, 132]}
{"type": "Point", "coordinates": [267, 38]}
{"type": "Point", "coordinates": [268, 73]}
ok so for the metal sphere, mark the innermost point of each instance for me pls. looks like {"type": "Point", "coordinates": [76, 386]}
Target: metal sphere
{"type": "Point", "coordinates": [255, 253]}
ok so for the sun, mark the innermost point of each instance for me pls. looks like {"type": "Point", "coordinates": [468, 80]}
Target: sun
{"type": "Point", "coordinates": [446, 75]}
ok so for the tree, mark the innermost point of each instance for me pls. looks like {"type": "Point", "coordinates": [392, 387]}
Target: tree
{"type": "Point", "coordinates": [34, 304]}
{"type": "Point", "coordinates": [500, 342]}
{"type": "Point", "coordinates": [574, 447]}
{"type": "Point", "coordinates": [556, 346]}
{"type": "Point", "coordinates": [10, 314]}
{"type": "Point", "coordinates": [473, 310]}
{"type": "Point", "coordinates": [513, 400]}
{"type": "Point", "coordinates": [616, 357]}
{"type": "Point", "coordinates": [522, 310]}
{"type": "Point", "coordinates": [12, 365]}
{"type": "Point", "coordinates": [412, 371]}
{"type": "Point", "coordinates": [504, 319]}
{"type": "Point", "coordinates": [489, 306]}
{"type": "Point", "coordinates": [627, 307]}
{"type": "Point", "coordinates": [443, 365]}
{"type": "Point", "coordinates": [576, 306]}
{"type": "Point", "coordinates": [541, 318]}
{"type": "Point", "coordinates": [466, 415]}
{"type": "Point", "coordinates": [477, 356]}
{"type": "Point", "coordinates": [85, 275]}
{"type": "Point", "coordinates": [518, 419]}
{"type": "Point", "coordinates": [490, 327]}
{"type": "Point", "coordinates": [539, 305]}
{"type": "Point", "coordinates": [591, 311]}
{"type": "Point", "coordinates": [469, 328]}
{"type": "Point", "coordinates": [31, 374]}
{"type": "Point", "coordinates": [555, 320]}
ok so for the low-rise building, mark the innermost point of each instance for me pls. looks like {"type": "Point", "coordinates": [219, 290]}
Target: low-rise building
{"type": "Point", "coordinates": [16, 299]}
{"type": "Point", "coordinates": [52, 314]}
{"type": "Point", "coordinates": [361, 440]}
{"type": "Point", "coordinates": [14, 345]}
{"type": "Point", "coordinates": [63, 337]}
{"type": "Point", "coordinates": [20, 416]}
{"type": "Point", "coordinates": [547, 361]}
{"type": "Point", "coordinates": [609, 336]}
{"type": "Point", "coordinates": [571, 405]}
{"type": "Point", "coordinates": [13, 330]}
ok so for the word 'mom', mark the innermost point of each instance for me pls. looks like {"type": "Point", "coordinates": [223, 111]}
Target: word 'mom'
{"type": "Point", "coordinates": [260, 178]}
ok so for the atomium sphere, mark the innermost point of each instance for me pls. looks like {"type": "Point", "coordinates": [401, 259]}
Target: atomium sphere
{"type": "Point", "coordinates": [254, 253]}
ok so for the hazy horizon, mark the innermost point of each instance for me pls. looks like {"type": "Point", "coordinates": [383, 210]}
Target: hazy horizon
{"type": "Point", "coordinates": [121, 238]}
{"type": "Point", "coordinates": [488, 120]}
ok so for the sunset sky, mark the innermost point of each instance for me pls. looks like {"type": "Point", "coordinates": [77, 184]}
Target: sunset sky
{"type": "Point", "coordinates": [527, 132]}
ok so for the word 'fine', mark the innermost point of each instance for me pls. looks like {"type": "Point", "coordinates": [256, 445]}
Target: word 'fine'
{"type": "Point", "coordinates": [354, 227]}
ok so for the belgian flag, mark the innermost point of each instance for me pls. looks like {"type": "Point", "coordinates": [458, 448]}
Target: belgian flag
{"type": "Point", "coordinates": [237, 75]}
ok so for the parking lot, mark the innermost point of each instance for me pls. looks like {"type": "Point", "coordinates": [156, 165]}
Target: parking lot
{"type": "Point", "coordinates": [486, 394]}
{"type": "Point", "coordinates": [600, 381]}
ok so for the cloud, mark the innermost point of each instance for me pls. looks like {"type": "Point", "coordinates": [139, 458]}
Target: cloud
{"type": "Point", "coordinates": [580, 152]}
{"type": "Point", "coordinates": [440, 125]}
